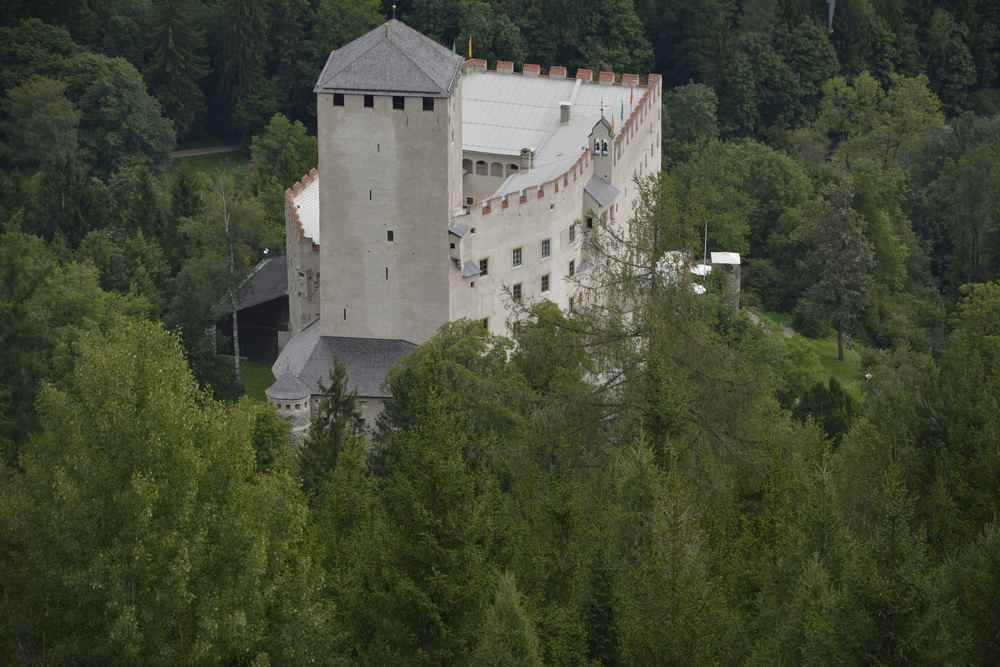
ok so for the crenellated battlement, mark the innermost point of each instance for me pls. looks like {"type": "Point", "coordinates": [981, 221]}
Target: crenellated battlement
{"type": "Point", "coordinates": [607, 78]}
{"type": "Point", "coordinates": [290, 193]}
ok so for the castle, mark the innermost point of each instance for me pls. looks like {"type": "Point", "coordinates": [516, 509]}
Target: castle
{"type": "Point", "coordinates": [445, 189]}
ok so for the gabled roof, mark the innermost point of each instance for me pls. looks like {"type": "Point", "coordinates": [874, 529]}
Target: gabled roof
{"type": "Point", "coordinates": [602, 192]}
{"type": "Point", "coordinates": [391, 58]}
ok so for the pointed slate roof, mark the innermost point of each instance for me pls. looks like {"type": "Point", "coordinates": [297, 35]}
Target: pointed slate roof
{"type": "Point", "coordinates": [392, 58]}
{"type": "Point", "coordinates": [287, 388]}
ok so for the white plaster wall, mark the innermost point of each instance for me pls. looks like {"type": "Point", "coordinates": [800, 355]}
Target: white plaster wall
{"type": "Point", "coordinates": [527, 224]}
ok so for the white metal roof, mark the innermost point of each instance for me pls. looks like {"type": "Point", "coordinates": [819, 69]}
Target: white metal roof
{"type": "Point", "coordinates": [503, 113]}
{"type": "Point", "coordinates": [307, 203]}
{"type": "Point", "coordinates": [725, 258]}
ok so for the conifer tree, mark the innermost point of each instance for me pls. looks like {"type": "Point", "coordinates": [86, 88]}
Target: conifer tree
{"type": "Point", "coordinates": [507, 636]}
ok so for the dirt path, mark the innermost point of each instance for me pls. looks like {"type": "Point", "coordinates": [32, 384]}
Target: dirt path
{"type": "Point", "coordinates": [211, 150]}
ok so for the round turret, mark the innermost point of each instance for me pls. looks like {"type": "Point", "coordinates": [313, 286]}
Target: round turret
{"type": "Point", "coordinates": [290, 397]}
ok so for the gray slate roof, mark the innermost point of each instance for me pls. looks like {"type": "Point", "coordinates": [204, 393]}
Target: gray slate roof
{"type": "Point", "coordinates": [392, 58]}
{"type": "Point", "coordinates": [288, 388]}
{"type": "Point", "coordinates": [603, 192]}
{"type": "Point", "coordinates": [309, 357]}
{"type": "Point", "coordinates": [267, 281]}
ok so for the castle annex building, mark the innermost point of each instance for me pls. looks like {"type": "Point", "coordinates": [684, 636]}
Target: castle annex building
{"type": "Point", "coordinates": [446, 188]}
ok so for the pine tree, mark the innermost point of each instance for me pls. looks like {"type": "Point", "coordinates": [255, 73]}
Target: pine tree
{"type": "Point", "coordinates": [176, 61]}
{"type": "Point", "coordinates": [507, 636]}
{"type": "Point", "coordinates": [337, 419]}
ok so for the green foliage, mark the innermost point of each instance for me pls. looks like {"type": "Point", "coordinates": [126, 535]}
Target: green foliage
{"type": "Point", "coordinates": [142, 531]}
{"type": "Point", "coordinates": [177, 61]}
{"type": "Point", "coordinates": [118, 117]}
{"type": "Point", "coordinates": [337, 420]}
{"type": "Point", "coordinates": [282, 153]}
{"type": "Point", "coordinates": [41, 125]}
{"type": "Point", "coordinates": [507, 636]}
{"type": "Point", "coordinates": [690, 121]}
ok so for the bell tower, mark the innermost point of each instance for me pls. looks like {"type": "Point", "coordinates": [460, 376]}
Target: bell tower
{"type": "Point", "coordinates": [389, 112]}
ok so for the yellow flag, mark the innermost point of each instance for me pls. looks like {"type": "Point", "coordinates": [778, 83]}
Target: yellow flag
{"type": "Point", "coordinates": [470, 46]}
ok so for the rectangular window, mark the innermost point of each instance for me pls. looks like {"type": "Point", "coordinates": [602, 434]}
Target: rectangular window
{"type": "Point", "coordinates": [390, 235]}
{"type": "Point", "coordinates": [546, 248]}
{"type": "Point", "coordinates": [572, 267]}
{"type": "Point", "coordinates": [338, 99]}
{"type": "Point", "coordinates": [369, 101]}
{"type": "Point", "coordinates": [572, 233]}
{"type": "Point", "coordinates": [486, 324]}
{"type": "Point", "coordinates": [590, 222]}
{"type": "Point", "coordinates": [545, 283]}
{"type": "Point", "coordinates": [516, 292]}
{"type": "Point", "coordinates": [428, 104]}
{"type": "Point", "coordinates": [516, 257]}
{"type": "Point", "coordinates": [397, 102]}
{"type": "Point", "coordinates": [484, 267]}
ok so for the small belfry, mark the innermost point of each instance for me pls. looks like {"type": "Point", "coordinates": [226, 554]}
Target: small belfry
{"type": "Point", "coordinates": [444, 186]}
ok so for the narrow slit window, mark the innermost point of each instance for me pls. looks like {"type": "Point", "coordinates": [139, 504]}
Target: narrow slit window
{"type": "Point", "coordinates": [387, 273]}
{"type": "Point", "coordinates": [390, 235]}
{"type": "Point", "coordinates": [572, 267]}
{"type": "Point", "coordinates": [369, 101]}
{"type": "Point", "coordinates": [338, 99]}
{"type": "Point", "coordinates": [345, 314]}
{"type": "Point", "coordinates": [369, 195]}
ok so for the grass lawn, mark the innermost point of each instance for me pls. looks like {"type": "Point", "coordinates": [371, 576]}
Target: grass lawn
{"type": "Point", "coordinates": [848, 372]}
{"type": "Point", "coordinates": [237, 162]}
{"type": "Point", "coordinates": [256, 378]}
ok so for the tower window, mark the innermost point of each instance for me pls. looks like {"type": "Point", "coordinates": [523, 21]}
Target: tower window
{"type": "Point", "coordinates": [338, 99]}
{"type": "Point", "coordinates": [572, 267]}
{"type": "Point", "coordinates": [470, 200]}
{"type": "Point", "coordinates": [516, 257]}
{"type": "Point", "coordinates": [572, 233]}
{"type": "Point", "coordinates": [398, 102]}
{"type": "Point", "coordinates": [345, 314]}
{"type": "Point", "coordinates": [387, 273]}
{"type": "Point", "coordinates": [390, 235]}
{"type": "Point", "coordinates": [369, 101]}
{"type": "Point", "coordinates": [484, 267]}
{"type": "Point", "coordinates": [428, 104]}
{"type": "Point", "coordinates": [546, 248]}
{"type": "Point", "coordinates": [516, 292]}
{"type": "Point", "coordinates": [545, 283]}
{"type": "Point", "coordinates": [590, 222]}
{"type": "Point", "coordinates": [486, 324]}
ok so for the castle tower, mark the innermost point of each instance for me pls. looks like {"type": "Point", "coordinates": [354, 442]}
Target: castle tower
{"type": "Point", "coordinates": [389, 110]}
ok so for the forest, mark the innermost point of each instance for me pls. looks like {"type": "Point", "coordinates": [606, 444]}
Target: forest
{"type": "Point", "coordinates": [676, 482]}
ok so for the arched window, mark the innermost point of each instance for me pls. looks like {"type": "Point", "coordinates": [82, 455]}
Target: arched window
{"type": "Point", "coordinates": [482, 168]}
{"type": "Point", "coordinates": [597, 146]}
{"type": "Point", "coordinates": [604, 148]}
{"type": "Point", "coordinates": [512, 168]}
{"type": "Point", "coordinates": [466, 166]}
{"type": "Point", "coordinates": [496, 169]}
